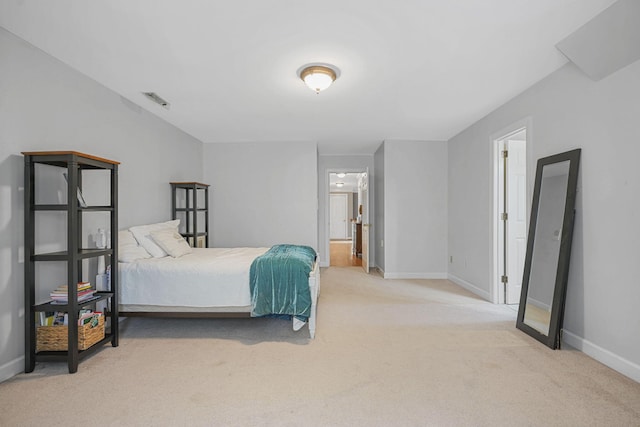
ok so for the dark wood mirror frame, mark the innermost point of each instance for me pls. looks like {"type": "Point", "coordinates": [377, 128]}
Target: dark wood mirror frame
{"type": "Point", "coordinates": [553, 338]}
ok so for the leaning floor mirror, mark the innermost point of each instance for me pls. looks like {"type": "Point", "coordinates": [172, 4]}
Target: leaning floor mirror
{"type": "Point", "coordinates": [546, 268]}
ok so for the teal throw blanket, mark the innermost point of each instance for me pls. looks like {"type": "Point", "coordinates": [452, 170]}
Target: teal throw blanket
{"type": "Point", "coordinates": [279, 281]}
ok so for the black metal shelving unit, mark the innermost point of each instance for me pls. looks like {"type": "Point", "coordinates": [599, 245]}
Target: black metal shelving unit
{"type": "Point", "coordinates": [73, 163]}
{"type": "Point", "coordinates": [191, 209]}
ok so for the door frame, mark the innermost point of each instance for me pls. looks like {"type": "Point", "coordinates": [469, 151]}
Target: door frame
{"type": "Point", "coordinates": [496, 289]}
{"type": "Point", "coordinates": [366, 226]}
{"type": "Point", "coordinates": [327, 212]}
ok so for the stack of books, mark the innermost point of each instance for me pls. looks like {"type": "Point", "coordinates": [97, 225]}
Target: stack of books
{"type": "Point", "coordinates": [89, 316]}
{"type": "Point", "coordinates": [60, 318]}
{"type": "Point", "coordinates": [61, 294]}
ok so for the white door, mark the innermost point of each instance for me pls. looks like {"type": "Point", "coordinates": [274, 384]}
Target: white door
{"type": "Point", "coordinates": [338, 216]}
{"type": "Point", "coordinates": [516, 238]}
{"type": "Point", "coordinates": [364, 188]}
{"type": "Point", "coordinates": [365, 247]}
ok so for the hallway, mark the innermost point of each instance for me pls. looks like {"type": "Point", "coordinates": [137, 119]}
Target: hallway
{"type": "Point", "coordinates": [341, 256]}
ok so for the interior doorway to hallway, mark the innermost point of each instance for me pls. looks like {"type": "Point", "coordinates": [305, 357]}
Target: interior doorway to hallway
{"type": "Point", "coordinates": [347, 218]}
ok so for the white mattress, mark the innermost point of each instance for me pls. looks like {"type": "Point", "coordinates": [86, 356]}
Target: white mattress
{"type": "Point", "coordinates": [211, 277]}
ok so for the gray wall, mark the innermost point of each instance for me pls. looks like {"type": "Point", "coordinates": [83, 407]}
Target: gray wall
{"type": "Point", "coordinates": [567, 110]}
{"type": "Point", "coordinates": [328, 163]}
{"type": "Point", "coordinates": [262, 194]}
{"type": "Point", "coordinates": [45, 105]}
{"type": "Point", "coordinates": [415, 209]}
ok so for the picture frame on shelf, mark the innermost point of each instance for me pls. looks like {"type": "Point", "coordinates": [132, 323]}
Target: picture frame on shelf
{"type": "Point", "coordinates": [81, 200]}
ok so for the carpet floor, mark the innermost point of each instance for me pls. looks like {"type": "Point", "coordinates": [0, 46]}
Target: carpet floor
{"type": "Point", "coordinates": [386, 353]}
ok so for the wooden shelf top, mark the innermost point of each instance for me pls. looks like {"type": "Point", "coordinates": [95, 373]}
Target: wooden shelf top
{"type": "Point", "coordinates": [64, 153]}
{"type": "Point", "coordinates": [189, 184]}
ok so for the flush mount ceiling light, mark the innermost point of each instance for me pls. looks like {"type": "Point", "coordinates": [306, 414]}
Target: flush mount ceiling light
{"type": "Point", "coordinates": [318, 77]}
{"type": "Point", "coordinates": [339, 184]}
{"type": "Point", "coordinates": [342, 175]}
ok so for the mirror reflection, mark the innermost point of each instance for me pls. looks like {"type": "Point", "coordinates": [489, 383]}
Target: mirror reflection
{"type": "Point", "coordinates": [546, 247]}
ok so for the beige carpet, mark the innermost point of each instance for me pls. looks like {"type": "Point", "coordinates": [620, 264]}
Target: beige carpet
{"type": "Point", "coordinates": [386, 353]}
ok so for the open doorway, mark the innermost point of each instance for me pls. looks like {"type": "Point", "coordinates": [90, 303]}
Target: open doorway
{"type": "Point", "coordinates": [345, 211]}
{"type": "Point", "coordinates": [510, 214]}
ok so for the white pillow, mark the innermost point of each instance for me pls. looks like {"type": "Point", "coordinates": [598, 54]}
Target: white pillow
{"type": "Point", "coordinates": [128, 249]}
{"type": "Point", "coordinates": [142, 233]}
{"type": "Point", "coordinates": [125, 238]}
{"type": "Point", "coordinates": [171, 242]}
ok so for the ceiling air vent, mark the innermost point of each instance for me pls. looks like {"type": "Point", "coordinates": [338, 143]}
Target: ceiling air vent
{"type": "Point", "coordinates": [155, 98]}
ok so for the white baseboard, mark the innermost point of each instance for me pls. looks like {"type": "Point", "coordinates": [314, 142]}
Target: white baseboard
{"type": "Point", "coordinates": [470, 287]}
{"type": "Point", "coordinates": [12, 368]}
{"type": "Point", "coordinates": [539, 304]}
{"type": "Point", "coordinates": [604, 356]}
{"type": "Point", "coordinates": [415, 275]}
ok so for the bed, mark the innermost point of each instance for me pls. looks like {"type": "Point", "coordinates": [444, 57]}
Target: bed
{"type": "Point", "coordinates": [206, 282]}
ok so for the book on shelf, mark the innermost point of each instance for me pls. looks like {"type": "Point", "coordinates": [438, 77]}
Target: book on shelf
{"type": "Point", "coordinates": [81, 286]}
{"type": "Point", "coordinates": [89, 316]}
{"type": "Point", "coordinates": [61, 318]}
{"type": "Point", "coordinates": [81, 295]}
{"type": "Point", "coordinates": [60, 295]}
{"type": "Point", "coordinates": [84, 300]}
{"type": "Point", "coordinates": [45, 318]}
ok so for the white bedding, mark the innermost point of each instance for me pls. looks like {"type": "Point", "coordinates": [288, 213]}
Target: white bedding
{"type": "Point", "coordinates": [211, 277]}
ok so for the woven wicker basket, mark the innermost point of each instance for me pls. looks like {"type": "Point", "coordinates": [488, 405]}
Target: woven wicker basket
{"type": "Point", "coordinates": [55, 338]}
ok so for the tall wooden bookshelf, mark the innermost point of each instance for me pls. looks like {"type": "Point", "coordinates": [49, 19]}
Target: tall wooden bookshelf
{"type": "Point", "coordinates": [189, 200]}
{"type": "Point", "coordinates": [73, 164]}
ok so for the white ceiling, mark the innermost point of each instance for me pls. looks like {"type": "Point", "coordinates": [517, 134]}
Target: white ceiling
{"type": "Point", "coordinates": [410, 69]}
{"type": "Point", "coordinates": [350, 181]}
